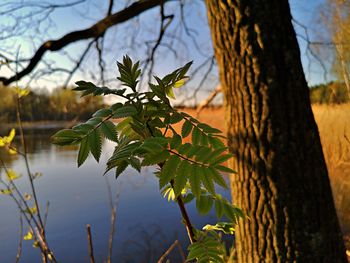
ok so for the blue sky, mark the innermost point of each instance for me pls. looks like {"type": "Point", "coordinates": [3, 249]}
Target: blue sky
{"type": "Point", "coordinates": [66, 20]}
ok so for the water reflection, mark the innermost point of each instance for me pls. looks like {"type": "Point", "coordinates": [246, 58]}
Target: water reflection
{"type": "Point", "coordinates": [146, 223]}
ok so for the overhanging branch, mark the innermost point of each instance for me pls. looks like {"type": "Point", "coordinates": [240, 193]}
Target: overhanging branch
{"type": "Point", "coordinates": [94, 31]}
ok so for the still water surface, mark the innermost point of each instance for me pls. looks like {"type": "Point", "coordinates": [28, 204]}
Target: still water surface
{"type": "Point", "coordinates": [146, 224]}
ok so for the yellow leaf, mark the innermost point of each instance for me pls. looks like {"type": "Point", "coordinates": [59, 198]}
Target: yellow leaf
{"type": "Point", "coordinates": [12, 175]}
{"type": "Point", "coordinates": [7, 139]}
{"type": "Point", "coordinates": [5, 191]}
{"type": "Point", "coordinates": [31, 210]}
{"type": "Point", "coordinates": [181, 82]}
{"type": "Point", "coordinates": [2, 142]}
{"type": "Point", "coordinates": [21, 92]}
{"type": "Point", "coordinates": [28, 236]}
{"type": "Point", "coordinates": [12, 150]}
{"type": "Point", "coordinates": [11, 136]}
{"type": "Point", "coordinates": [35, 244]}
{"type": "Point", "coordinates": [169, 92]}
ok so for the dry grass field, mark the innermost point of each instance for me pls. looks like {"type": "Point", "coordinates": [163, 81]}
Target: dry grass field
{"type": "Point", "coordinates": [334, 126]}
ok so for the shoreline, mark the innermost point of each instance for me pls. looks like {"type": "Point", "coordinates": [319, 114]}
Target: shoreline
{"type": "Point", "coordinates": [38, 125]}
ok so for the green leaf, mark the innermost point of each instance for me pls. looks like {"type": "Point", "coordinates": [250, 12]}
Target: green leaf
{"type": "Point", "coordinates": [124, 152]}
{"type": "Point", "coordinates": [219, 208]}
{"type": "Point", "coordinates": [207, 180]}
{"type": "Point", "coordinates": [188, 198]}
{"type": "Point", "coordinates": [224, 169]}
{"type": "Point", "coordinates": [95, 144]}
{"type": "Point", "coordinates": [125, 111]}
{"type": "Point", "coordinates": [195, 182]}
{"type": "Point", "coordinates": [181, 177]}
{"type": "Point", "coordinates": [230, 212]}
{"type": "Point", "coordinates": [121, 168]}
{"type": "Point", "coordinates": [202, 153]}
{"type": "Point", "coordinates": [175, 142]}
{"type": "Point", "coordinates": [65, 137]}
{"type": "Point", "coordinates": [83, 128]}
{"type": "Point", "coordinates": [152, 147]}
{"type": "Point", "coordinates": [94, 121]}
{"type": "Point", "coordinates": [116, 106]}
{"type": "Point", "coordinates": [204, 204]}
{"type": "Point", "coordinates": [83, 151]}
{"type": "Point", "coordinates": [221, 159]}
{"type": "Point", "coordinates": [135, 163]}
{"type": "Point", "coordinates": [175, 118]}
{"type": "Point", "coordinates": [83, 85]}
{"type": "Point", "coordinates": [203, 139]}
{"type": "Point", "coordinates": [213, 154]}
{"type": "Point", "coordinates": [184, 148]}
{"type": "Point", "coordinates": [168, 171]}
{"type": "Point", "coordinates": [186, 129]}
{"type": "Point", "coordinates": [196, 133]}
{"type": "Point", "coordinates": [193, 150]}
{"type": "Point", "coordinates": [109, 131]}
{"type": "Point", "coordinates": [102, 113]}
{"type": "Point", "coordinates": [208, 129]}
{"type": "Point", "coordinates": [217, 177]}
{"type": "Point", "coordinates": [208, 248]}
{"type": "Point", "coordinates": [215, 142]}
{"type": "Point", "coordinates": [155, 158]}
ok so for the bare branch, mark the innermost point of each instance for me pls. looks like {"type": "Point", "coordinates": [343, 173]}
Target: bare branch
{"type": "Point", "coordinates": [165, 22]}
{"type": "Point", "coordinates": [94, 31]}
{"type": "Point", "coordinates": [209, 99]}
{"type": "Point", "coordinates": [78, 63]}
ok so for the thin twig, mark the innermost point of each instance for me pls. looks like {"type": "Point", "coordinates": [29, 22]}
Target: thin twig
{"type": "Point", "coordinates": [19, 249]}
{"type": "Point", "coordinates": [113, 208]}
{"type": "Point", "coordinates": [171, 248]}
{"type": "Point", "coordinates": [90, 247]}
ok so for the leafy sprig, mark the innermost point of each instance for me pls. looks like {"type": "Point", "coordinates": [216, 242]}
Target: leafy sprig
{"type": "Point", "coordinates": [190, 162]}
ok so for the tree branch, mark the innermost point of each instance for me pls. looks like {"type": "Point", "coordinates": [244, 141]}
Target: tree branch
{"type": "Point", "coordinates": [94, 31]}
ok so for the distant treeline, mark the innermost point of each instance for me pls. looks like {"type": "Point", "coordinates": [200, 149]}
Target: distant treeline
{"type": "Point", "coordinates": [330, 93]}
{"type": "Point", "coordinates": [58, 105]}
{"type": "Point", "coordinates": [65, 104]}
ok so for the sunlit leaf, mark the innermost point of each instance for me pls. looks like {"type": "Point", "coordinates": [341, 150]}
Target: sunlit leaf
{"type": "Point", "coordinates": [5, 191]}
{"type": "Point", "coordinates": [12, 175]}
{"type": "Point", "coordinates": [12, 150]}
{"type": "Point", "coordinates": [225, 227]}
{"type": "Point", "coordinates": [168, 171]}
{"type": "Point", "coordinates": [170, 93]}
{"type": "Point", "coordinates": [181, 82]}
{"type": "Point", "coordinates": [10, 137]}
{"type": "Point", "coordinates": [28, 236]}
{"type": "Point", "coordinates": [31, 210]}
{"type": "Point", "coordinates": [22, 92]}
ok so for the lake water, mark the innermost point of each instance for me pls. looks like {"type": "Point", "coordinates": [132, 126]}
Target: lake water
{"type": "Point", "coordinates": [146, 223]}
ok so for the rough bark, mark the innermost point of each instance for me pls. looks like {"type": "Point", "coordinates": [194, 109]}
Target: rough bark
{"type": "Point", "coordinates": [282, 182]}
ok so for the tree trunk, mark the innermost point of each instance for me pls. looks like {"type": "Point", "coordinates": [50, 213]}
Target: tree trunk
{"type": "Point", "coordinates": [282, 182]}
